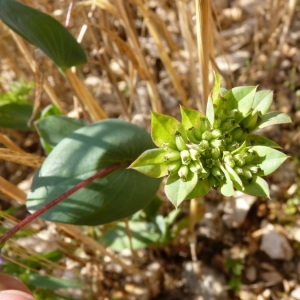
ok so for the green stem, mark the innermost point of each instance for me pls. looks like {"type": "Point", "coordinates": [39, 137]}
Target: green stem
{"type": "Point", "coordinates": [57, 200]}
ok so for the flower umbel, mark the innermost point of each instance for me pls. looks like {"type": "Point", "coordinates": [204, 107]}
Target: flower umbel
{"type": "Point", "coordinates": [217, 150]}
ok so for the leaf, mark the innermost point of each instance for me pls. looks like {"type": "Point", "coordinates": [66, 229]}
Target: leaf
{"type": "Point", "coordinates": [227, 188]}
{"type": "Point", "coordinates": [150, 163]}
{"type": "Point", "coordinates": [202, 188]}
{"type": "Point", "coordinates": [258, 140]}
{"type": "Point", "coordinates": [178, 190]}
{"type": "Point", "coordinates": [262, 101]}
{"type": "Point", "coordinates": [270, 159]}
{"type": "Point", "coordinates": [237, 182]}
{"type": "Point", "coordinates": [273, 118]}
{"type": "Point", "coordinates": [217, 86]}
{"type": "Point", "coordinates": [241, 97]}
{"type": "Point", "coordinates": [15, 115]}
{"type": "Point", "coordinates": [55, 128]}
{"type": "Point", "coordinates": [191, 118]}
{"type": "Point", "coordinates": [89, 149]}
{"type": "Point", "coordinates": [143, 234]}
{"type": "Point", "coordinates": [163, 129]}
{"type": "Point", "coordinates": [210, 113]}
{"type": "Point", "coordinates": [44, 32]}
{"type": "Point", "coordinates": [51, 283]}
{"type": "Point", "coordinates": [259, 187]}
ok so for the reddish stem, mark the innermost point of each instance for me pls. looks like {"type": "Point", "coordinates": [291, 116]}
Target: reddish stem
{"type": "Point", "coordinates": [60, 198]}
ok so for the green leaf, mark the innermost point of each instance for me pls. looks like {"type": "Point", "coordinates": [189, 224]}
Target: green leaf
{"type": "Point", "coordinates": [89, 149]}
{"type": "Point", "coordinates": [273, 118]}
{"type": "Point", "coordinates": [50, 110]}
{"type": "Point", "coordinates": [217, 86]}
{"type": "Point", "coordinates": [52, 283]}
{"type": "Point", "coordinates": [55, 128]}
{"type": "Point", "coordinates": [44, 32]}
{"type": "Point", "coordinates": [150, 163]}
{"type": "Point", "coordinates": [143, 234]}
{"type": "Point", "coordinates": [178, 190]}
{"type": "Point", "coordinates": [262, 101]}
{"type": "Point", "coordinates": [237, 182]}
{"type": "Point", "coordinates": [164, 129]}
{"type": "Point", "coordinates": [258, 140]}
{"type": "Point", "coordinates": [210, 113]}
{"type": "Point", "coordinates": [258, 187]}
{"type": "Point", "coordinates": [191, 118]}
{"type": "Point", "coordinates": [202, 188]}
{"type": "Point", "coordinates": [227, 187]}
{"type": "Point", "coordinates": [245, 97]}
{"type": "Point", "coordinates": [269, 159]}
{"type": "Point", "coordinates": [15, 115]}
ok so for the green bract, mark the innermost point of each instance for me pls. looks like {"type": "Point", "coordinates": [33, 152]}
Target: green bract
{"type": "Point", "coordinates": [218, 150]}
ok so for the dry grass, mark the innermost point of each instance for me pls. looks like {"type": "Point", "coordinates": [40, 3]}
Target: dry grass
{"type": "Point", "coordinates": [143, 55]}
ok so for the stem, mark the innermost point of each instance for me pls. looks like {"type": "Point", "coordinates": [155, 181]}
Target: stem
{"type": "Point", "coordinates": [60, 198]}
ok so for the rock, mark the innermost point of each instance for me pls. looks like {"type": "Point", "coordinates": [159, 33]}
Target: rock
{"type": "Point", "coordinates": [275, 244]}
{"type": "Point", "coordinates": [251, 273]}
{"type": "Point", "coordinates": [272, 277]}
{"type": "Point", "coordinates": [295, 294]}
{"type": "Point", "coordinates": [236, 209]}
{"type": "Point", "coordinates": [208, 283]}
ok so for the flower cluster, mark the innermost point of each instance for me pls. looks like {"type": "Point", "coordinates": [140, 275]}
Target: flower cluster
{"type": "Point", "coordinates": [217, 150]}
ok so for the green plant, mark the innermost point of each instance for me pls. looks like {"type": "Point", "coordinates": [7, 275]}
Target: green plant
{"type": "Point", "coordinates": [235, 266]}
{"type": "Point", "coordinates": [218, 150]}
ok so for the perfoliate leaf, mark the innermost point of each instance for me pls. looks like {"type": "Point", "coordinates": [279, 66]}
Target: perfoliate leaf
{"type": "Point", "coordinates": [191, 118]}
{"type": "Point", "coordinates": [269, 159]}
{"type": "Point", "coordinates": [210, 113]}
{"type": "Point", "coordinates": [227, 188]}
{"type": "Point", "coordinates": [258, 187]}
{"type": "Point", "coordinates": [245, 97]}
{"type": "Point", "coordinates": [77, 157]}
{"type": "Point", "coordinates": [258, 140]}
{"type": "Point", "coordinates": [151, 163]}
{"type": "Point", "coordinates": [178, 190]}
{"type": "Point", "coordinates": [262, 101]}
{"type": "Point", "coordinates": [273, 118]}
{"type": "Point", "coordinates": [44, 32]}
{"type": "Point", "coordinates": [201, 189]}
{"type": "Point", "coordinates": [164, 128]}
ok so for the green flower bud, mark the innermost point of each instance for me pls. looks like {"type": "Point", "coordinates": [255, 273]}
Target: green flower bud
{"type": "Point", "coordinates": [204, 174]}
{"type": "Point", "coordinates": [180, 142]}
{"type": "Point", "coordinates": [236, 133]}
{"type": "Point", "coordinates": [229, 161]}
{"type": "Point", "coordinates": [217, 173]}
{"type": "Point", "coordinates": [238, 170]}
{"type": "Point", "coordinates": [168, 146]}
{"type": "Point", "coordinates": [239, 160]}
{"type": "Point", "coordinates": [172, 155]}
{"type": "Point", "coordinates": [215, 153]}
{"type": "Point", "coordinates": [233, 146]}
{"type": "Point", "coordinates": [220, 104]}
{"type": "Point", "coordinates": [204, 125]}
{"type": "Point", "coordinates": [228, 125]}
{"type": "Point", "coordinates": [213, 181]}
{"type": "Point", "coordinates": [194, 154]}
{"type": "Point", "coordinates": [250, 155]}
{"type": "Point", "coordinates": [253, 169]}
{"type": "Point", "coordinates": [216, 143]}
{"type": "Point", "coordinates": [207, 136]}
{"type": "Point", "coordinates": [195, 167]}
{"type": "Point", "coordinates": [185, 157]}
{"type": "Point", "coordinates": [243, 137]}
{"type": "Point", "coordinates": [174, 166]}
{"type": "Point", "coordinates": [247, 174]}
{"type": "Point", "coordinates": [203, 145]}
{"type": "Point", "coordinates": [183, 172]}
{"type": "Point", "coordinates": [217, 123]}
{"type": "Point", "coordinates": [207, 153]}
{"type": "Point", "coordinates": [222, 115]}
{"type": "Point", "coordinates": [233, 114]}
{"type": "Point", "coordinates": [191, 135]}
{"type": "Point", "coordinates": [216, 133]}
{"type": "Point", "coordinates": [209, 163]}
{"type": "Point", "coordinates": [228, 138]}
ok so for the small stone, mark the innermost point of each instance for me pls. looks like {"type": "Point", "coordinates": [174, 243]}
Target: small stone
{"type": "Point", "coordinates": [271, 277]}
{"type": "Point", "coordinates": [251, 273]}
{"type": "Point", "coordinates": [295, 294]}
{"type": "Point", "coordinates": [275, 244]}
{"type": "Point", "coordinates": [236, 209]}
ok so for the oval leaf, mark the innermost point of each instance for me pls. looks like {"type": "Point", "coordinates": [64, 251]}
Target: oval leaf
{"type": "Point", "coordinates": [86, 151]}
{"type": "Point", "coordinates": [262, 101]}
{"type": "Point", "coordinates": [210, 113]}
{"type": "Point", "coordinates": [44, 32]}
{"type": "Point", "coordinates": [273, 118]}
{"type": "Point", "coordinates": [269, 159]}
{"type": "Point", "coordinates": [259, 187]}
{"type": "Point", "coordinates": [258, 140]}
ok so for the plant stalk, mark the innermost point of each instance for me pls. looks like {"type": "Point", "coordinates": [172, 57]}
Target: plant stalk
{"type": "Point", "coordinates": [57, 200]}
